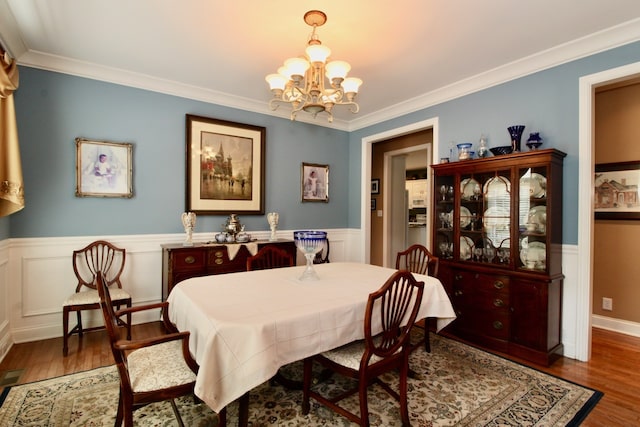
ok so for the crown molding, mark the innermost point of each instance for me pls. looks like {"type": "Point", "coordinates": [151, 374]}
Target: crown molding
{"type": "Point", "coordinates": [598, 42]}
{"type": "Point", "coordinates": [601, 41]}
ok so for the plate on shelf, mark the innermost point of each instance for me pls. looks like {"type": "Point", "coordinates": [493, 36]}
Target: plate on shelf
{"type": "Point", "coordinates": [496, 217]}
{"type": "Point", "coordinates": [538, 216]}
{"type": "Point", "coordinates": [466, 247]}
{"type": "Point", "coordinates": [465, 217]}
{"type": "Point", "coordinates": [497, 188]}
{"type": "Point", "coordinates": [468, 189]}
{"type": "Point", "coordinates": [534, 251]}
{"type": "Point", "coordinates": [535, 184]}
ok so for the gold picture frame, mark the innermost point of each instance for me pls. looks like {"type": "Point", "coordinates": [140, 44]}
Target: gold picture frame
{"type": "Point", "coordinates": [225, 167]}
{"type": "Point", "coordinates": [104, 169]}
{"type": "Point", "coordinates": [315, 182]}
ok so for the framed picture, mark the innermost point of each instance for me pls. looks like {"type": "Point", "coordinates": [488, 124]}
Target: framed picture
{"type": "Point", "coordinates": [616, 190]}
{"type": "Point", "coordinates": [315, 182]}
{"type": "Point", "coordinates": [375, 186]}
{"type": "Point", "coordinates": [103, 169]}
{"type": "Point", "coordinates": [373, 204]}
{"type": "Point", "coordinates": [225, 167]}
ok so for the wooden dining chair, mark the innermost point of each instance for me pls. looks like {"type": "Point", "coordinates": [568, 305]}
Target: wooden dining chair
{"type": "Point", "coordinates": [417, 259]}
{"type": "Point", "coordinates": [153, 369]}
{"type": "Point", "coordinates": [322, 256]}
{"type": "Point", "coordinates": [269, 257]}
{"type": "Point", "coordinates": [98, 256]}
{"type": "Point", "coordinates": [395, 306]}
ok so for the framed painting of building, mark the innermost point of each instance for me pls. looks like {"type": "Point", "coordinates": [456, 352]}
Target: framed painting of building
{"type": "Point", "coordinates": [224, 167]}
{"type": "Point", "coordinates": [616, 190]}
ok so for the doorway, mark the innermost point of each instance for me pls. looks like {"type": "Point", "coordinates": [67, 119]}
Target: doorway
{"type": "Point", "coordinates": [406, 221]}
{"type": "Point", "coordinates": [584, 288]}
{"type": "Point", "coordinates": [367, 213]}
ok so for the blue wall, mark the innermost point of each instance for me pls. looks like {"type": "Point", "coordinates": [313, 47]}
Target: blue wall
{"type": "Point", "coordinates": [53, 109]}
{"type": "Point", "coordinates": [545, 102]}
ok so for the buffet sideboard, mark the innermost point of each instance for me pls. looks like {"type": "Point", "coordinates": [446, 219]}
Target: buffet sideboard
{"type": "Point", "coordinates": [183, 262]}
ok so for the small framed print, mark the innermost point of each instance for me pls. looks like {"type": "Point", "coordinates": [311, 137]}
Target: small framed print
{"type": "Point", "coordinates": [373, 204]}
{"type": "Point", "coordinates": [315, 182]}
{"type": "Point", "coordinates": [103, 169]}
{"type": "Point", "coordinates": [616, 191]}
{"type": "Point", "coordinates": [375, 186]}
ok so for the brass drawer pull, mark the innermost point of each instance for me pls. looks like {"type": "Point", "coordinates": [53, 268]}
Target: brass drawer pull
{"type": "Point", "coordinates": [458, 277]}
{"type": "Point", "coordinates": [498, 284]}
{"type": "Point", "coordinates": [497, 324]}
{"type": "Point", "coordinates": [457, 293]}
{"type": "Point", "coordinates": [218, 261]}
{"type": "Point", "coordinates": [498, 302]}
{"type": "Point", "coordinates": [218, 254]}
{"type": "Point", "coordinates": [189, 260]}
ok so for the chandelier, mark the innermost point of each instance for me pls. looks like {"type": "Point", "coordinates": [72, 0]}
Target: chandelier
{"type": "Point", "coordinates": [301, 82]}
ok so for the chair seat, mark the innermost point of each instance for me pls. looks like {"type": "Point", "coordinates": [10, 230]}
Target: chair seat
{"type": "Point", "coordinates": [91, 296]}
{"type": "Point", "coordinates": [159, 366]}
{"type": "Point", "coordinates": [350, 355]}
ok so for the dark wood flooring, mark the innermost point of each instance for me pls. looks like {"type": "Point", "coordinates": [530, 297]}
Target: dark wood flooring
{"type": "Point", "coordinates": [613, 369]}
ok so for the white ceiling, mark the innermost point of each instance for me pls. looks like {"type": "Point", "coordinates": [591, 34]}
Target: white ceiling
{"type": "Point", "coordinates": [410, 53]}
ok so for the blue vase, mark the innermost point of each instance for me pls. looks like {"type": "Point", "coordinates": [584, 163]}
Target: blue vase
{"type": "Point", "coordinates": [516, 136]}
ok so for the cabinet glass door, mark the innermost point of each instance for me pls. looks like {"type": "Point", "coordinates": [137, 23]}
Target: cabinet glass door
{"type": "Point", "coordinates": [444, 215]}
{"type": "Point", "coordinates": [532, 219]}
{"type": "Point", "coordinates": [496, 220]}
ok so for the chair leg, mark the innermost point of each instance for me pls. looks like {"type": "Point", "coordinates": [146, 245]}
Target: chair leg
{"type": "Point", "coordinates": [222, 418]}
{"type": "Point", "coordinates": [306, 384]}
{"type": "Point", "coordinates": [65, 331]}
{"type": "Point", "coordinates": [176, 412]}
{"type": "Point", "coordinates": [79, 318]}
{"type": "Point", "coordinates": [364, 407]}
{"type": "Point", "coordinates": [404, 409]}
{"type": "Point", "coordinates": [120, 412]}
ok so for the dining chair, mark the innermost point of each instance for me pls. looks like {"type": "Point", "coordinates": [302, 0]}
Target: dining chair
{"type": "Point", "coordinates": [153, 369]}
{"type": "Point", "coordinates": [394, 306]}
{"type": "Point", "coordinates": [98, 256]}
{"type": "Point", "coordinates": [269, 257]}
{"type": "Point", "coordinates": [417, 259]}
{"type": "Point", "coordinates": [322, 256]}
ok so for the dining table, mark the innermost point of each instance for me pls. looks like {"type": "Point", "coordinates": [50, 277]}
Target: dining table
{"type": "Point", "coordinates": [245, 326]}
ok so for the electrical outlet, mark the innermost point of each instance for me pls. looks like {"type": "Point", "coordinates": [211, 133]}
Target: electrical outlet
{"type": "Point", "coordinates": [607, 304]}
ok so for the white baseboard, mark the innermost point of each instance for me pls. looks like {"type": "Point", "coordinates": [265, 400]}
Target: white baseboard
{"type": "Point", "coordinates": [616, 325]}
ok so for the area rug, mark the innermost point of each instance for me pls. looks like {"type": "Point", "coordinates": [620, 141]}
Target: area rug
{"type": "Point", "coordinates": [454, 385]}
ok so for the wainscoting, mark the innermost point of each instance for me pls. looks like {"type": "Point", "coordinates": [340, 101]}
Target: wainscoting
{"type": "Point", "coordinates": [36, 277]}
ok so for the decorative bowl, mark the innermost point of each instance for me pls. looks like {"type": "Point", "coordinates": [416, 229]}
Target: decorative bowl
{"type": "Point", "coordinates": [533, 145]}
{"type": "Point", "coordinates": [499, 151]}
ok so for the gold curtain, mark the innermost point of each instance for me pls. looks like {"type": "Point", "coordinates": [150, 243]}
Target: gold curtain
{"type": "Point", "coordinates": [11, 183]}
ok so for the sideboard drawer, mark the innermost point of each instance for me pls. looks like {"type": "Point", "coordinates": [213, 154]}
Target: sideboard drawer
{"type": "Point", "coordinates": [188, 260]}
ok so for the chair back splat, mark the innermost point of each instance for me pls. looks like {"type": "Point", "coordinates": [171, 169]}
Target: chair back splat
{"type": "Point", "coordinates": [269, 257]}
{"type": "Point", "coordinates": [417, 259]}
{"type": "Point", "coordinates": [97, 257]}
{"type": "Point", "coordinates": [390, 313]}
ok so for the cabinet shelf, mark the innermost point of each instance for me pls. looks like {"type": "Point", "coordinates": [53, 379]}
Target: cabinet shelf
{"type": "Point", "coordinates": [517, 223]}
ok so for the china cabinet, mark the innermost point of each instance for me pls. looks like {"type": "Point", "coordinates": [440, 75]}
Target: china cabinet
{"type": "Point", "coordinates": [498, 233]}
{"type": "Point", "coordinates": [181, 262]}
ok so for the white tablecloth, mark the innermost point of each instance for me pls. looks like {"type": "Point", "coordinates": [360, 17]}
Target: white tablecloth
{"type": "Point", "coordinates": [245, 326]}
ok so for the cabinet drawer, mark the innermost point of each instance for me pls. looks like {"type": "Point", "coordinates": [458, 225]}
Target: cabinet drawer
{"type": "Point", "coordinates": [188, 260]}
{"type": "Point", "coordinates": [493, 323]}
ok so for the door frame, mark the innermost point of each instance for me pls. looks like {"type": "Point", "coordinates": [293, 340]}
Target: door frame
{"type": "Point", "coordinates": [365, 186]}
{"type": "Point", "coordinates": [586, 165]}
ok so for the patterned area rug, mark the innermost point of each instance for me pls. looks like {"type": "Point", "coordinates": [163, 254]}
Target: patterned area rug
{"type": "Point", "coordinates": [456, 385]}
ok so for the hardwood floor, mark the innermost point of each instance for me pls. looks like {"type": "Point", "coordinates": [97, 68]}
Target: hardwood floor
{"type": "Point", "coordinates": [614, 368]}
